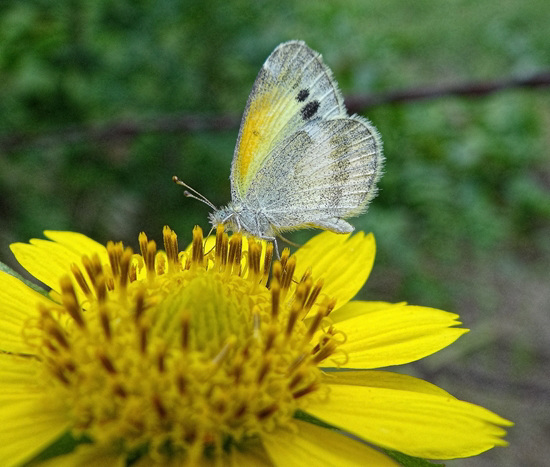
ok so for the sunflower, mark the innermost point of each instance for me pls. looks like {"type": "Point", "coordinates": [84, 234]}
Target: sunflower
{"type": "Point", "coordinates": [219, 355]}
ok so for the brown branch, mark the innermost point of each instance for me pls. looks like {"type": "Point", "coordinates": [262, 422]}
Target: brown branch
{"type": "Point", "coordinates": [358, 103]}
{"type": "Point", "coordinates": [192, 123]}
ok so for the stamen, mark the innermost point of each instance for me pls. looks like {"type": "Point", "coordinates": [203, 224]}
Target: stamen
{"type": "Point", "coordinates": [284, 257]}
{"type": "Point", "coordinates": [70, 302]}
{"type": "Point", "coordinates": [235, 252]}
{"type": "Point", "coordinates": [266, 365]}
{"type": "Point", "coordinates": [307, 390]}
{"type": "Point", "coordinates": [140, 304]}
{"type": "Point", "coordinates": [307, 273]}
{"type": "Point", "coordinates": [275, 297]}
{"type": "Point", "coordinates": [106, 362]}
{"type": "Point", "coordinates": [298, 377]}
{"type": "Point", "coordinates": [115, 252]}
{"type": "Point", "coordinates": [142, 239]}
{"type": "Point", "coordinates": [79, 277]}
{"type": "Point", "coordinates": [254, 253]}
{"type": "Point", "coordinates": [288, 274]}
{"type": "Point", "coordinates": [161, 356]}
{"type": "Point", "coordinates": [87, 262]}
{"type": "Point", "coordinates": [171, 247]}
{"type": "Point", "coordinates": [270, 339]}
{"type": "Point", "coordinates": [101, 288]}
{"type": "Point", "coordinates": [149, 258]}
{"type": "Point", "coordinates": [197, 254]}
{"type": "Point", "coordinates": [264, 413]}
{"type": "Point", "coordinates": [326, 351]}
{"type": "Point", "coordinates": [105, 324]}
{"type": "Point", "coordinates": [119, 390]}
{"type": "Point", "coordinates": [313, 296]}
{"type": "Point", "coordinates": [277, 272]}
{"type": "Point", "coordinates": [267, 262]}
{"type": "Point", "coordinates": [53, 329]}
{"type": "Point", "coordinates": [143, 329]}
{"type": "Point", "coordinates": [296, 308]}
{"type": "Point", "coordinates": [125, 262]}
{"type": "Point", "coordinates": [314, 325]}
{"type": "Point", "coordinates": [159, 406]}
{"type": "Point", "coordinates": [160, 264]}
{"type": "Point", "coordinates": [185, 326]}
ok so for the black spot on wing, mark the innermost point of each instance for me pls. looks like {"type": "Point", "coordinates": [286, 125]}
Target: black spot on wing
{"type": "Point", "coordinates": [310, 109]}
{"type": "Point", "coordinates": [302, 95]}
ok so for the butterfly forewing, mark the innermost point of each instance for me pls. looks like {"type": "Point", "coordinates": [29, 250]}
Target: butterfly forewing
{"type": "Point", "coordinates": [293, 87]}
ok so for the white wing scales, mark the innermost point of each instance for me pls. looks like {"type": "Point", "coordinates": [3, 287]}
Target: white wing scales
{"type": "Point", "coordinates": [325, 172]}
{"type": "Point", "coordinates": [292, 87]}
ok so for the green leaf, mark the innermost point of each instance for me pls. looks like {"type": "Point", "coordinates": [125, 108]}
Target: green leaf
{"type": "Point", "coordinates": [5, 268]}
{"type": "Point", "coordinates": [409, 461]}
{"type": "Point", "coordinates": [65, 444]}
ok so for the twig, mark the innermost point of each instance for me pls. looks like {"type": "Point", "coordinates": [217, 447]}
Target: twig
{"type": "Point", "coordinates": [192, 123]}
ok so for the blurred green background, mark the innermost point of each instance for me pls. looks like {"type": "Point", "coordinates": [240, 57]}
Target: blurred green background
{"type": "Point", "coordinates": [462, 219]}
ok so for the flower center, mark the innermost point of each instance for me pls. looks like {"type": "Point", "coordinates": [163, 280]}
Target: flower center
{"type": "Point", "coordinates": [184, 351]}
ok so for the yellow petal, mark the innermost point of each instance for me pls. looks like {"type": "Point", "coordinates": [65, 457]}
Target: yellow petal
{"type": "Point", "coordinates": [359, 308]}
{"type": "Point", "coordinates": [397, 334]}
{"type": "Point", "coordinates": [48, 261]}
{"type": "Point", "coordinates": [28, 426]}
{"type": "Point", "coordinates": [415, 423]}
{"type": "Point", "coordinates": [18, 303]}
{"type": "Point", "coordinates": [383, 379]}
{"type": "Point", "coordinates": [78, 243]}
{"type": "Point", "coordinates": [314, 445]}
{"type": "Point", "coordinates": [17, 375]}
{"type": "Point", "coordinates": [343, 262]}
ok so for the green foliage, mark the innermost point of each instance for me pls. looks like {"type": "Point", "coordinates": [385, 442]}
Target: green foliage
{"type": "Point", "coordinates": [463, 177]}
{"type": "Point", "coordinates": [463, 211]}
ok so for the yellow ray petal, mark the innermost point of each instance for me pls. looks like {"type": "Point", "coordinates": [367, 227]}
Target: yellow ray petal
{"type": "Point", "coordinates": [343, 262]}
{"type": "Point", "coordinates": [415, 423]}
{"type": "Point", "coordinates": [383, 379]}
{"type": "Point", "coordinates": [314, 445]}
{"type": "Point", "coordinates": [48, 260]}
{"type": "Point", "coordinates": [397, 335]}
{"type": "Point", "coordinates": [18, 303]}
{"type": "Point", "coordinates": [28, 426]}
{"type": "Point", "coordinates": [17, 375]}
{"type": "Point", "coordinates": [359, 308]}
{"type": "Point", "coordinates": [78, 243]}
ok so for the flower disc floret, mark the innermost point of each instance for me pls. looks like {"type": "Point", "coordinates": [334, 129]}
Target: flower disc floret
{"type": "Point", "coordinates": [184, 352]}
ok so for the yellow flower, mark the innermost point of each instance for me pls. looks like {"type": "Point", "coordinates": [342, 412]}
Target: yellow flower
{"type": "Point", "coordinates": [173, 358]}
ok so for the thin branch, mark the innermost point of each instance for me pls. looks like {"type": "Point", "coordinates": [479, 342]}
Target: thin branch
{"type": "Point", "coordinates": [358, 103]}
{"type": "Point", "coordinates": [193, 123]}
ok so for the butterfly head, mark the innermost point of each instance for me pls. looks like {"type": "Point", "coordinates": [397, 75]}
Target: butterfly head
{"type": "Point", "coordinates": [238, 217]}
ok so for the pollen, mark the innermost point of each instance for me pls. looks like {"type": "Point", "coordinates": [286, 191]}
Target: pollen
{"type": "Point", "coordinates": [185, 352]}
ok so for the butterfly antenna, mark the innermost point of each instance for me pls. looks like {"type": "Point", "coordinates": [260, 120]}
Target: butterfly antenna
{"type": "Point", "coordinates": [192, 193]}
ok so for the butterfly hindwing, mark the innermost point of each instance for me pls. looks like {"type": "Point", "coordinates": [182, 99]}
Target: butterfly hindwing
{"type": "Point", "coordinates": [293, 87]}
{"type": "Point", "coordinates": [319, 175]}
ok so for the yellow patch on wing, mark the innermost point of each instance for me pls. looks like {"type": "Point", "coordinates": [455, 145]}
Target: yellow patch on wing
{"type": "Point", "coordinates": [268, 115]}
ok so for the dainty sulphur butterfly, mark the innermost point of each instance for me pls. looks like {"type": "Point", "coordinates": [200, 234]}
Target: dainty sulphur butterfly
{"type": "Point", "coordinates": [300, 160]}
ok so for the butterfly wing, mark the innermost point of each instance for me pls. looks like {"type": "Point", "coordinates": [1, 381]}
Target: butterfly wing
{"type": "Point", "coordinates": [318, 176]}
{"type": "Point", "coordinates": [293, 87]}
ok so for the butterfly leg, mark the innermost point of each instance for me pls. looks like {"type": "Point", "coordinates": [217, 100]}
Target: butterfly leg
{"type": "Point", "coordinates": [274, 240]}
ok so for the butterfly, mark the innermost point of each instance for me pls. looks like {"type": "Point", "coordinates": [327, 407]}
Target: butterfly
{"type": "Point", "coordinates": [300, 160]}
